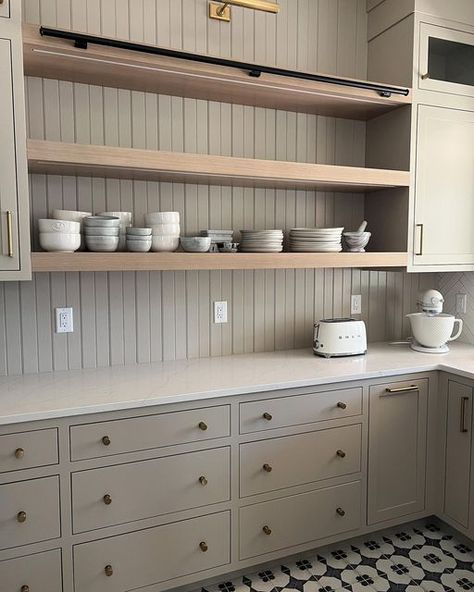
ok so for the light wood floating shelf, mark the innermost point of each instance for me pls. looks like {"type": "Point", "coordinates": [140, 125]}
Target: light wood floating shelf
{"type": "Point", "coordinates": [43, 262]}
{"type": "Point", "coordinates": [57, 158]}
{"type": "Point", "coordinates": [119, 68]}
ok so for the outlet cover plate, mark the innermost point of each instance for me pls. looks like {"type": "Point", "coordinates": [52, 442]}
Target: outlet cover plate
{"type": "Point", "coordinates": [220, 312]}
{"type": "Point", "coordinates": [356, 304]}
{"type": "Point", "coordinates": [64, 320]}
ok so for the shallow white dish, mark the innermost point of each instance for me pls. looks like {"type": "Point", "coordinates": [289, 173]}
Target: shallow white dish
{"type": "Point", "coordinates": [59, 241]}
{"type": "Point", "coordinates": [64, 226]}
{"type": "Point", "coordinates": [166, 229]}
{"type": "Point", "coordinates": [196, 244]}
{"type": "Point", "coordinates": [164, 243]}
{"type": "Point", "coordinates": [161, 218]}
{"type": "Point", "coordinates": [102, 243]}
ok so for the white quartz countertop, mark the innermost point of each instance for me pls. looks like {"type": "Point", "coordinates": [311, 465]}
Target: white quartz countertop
{"type": "Point", "coordinates": [78, 392]}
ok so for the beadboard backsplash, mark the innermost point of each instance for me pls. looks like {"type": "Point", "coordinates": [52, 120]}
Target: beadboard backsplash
{"type": "Point", "coordinates": [122, 318]}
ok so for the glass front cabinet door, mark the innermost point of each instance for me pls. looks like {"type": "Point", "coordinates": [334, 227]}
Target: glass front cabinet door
{"type": "Point", "coordinates": [446, 60]}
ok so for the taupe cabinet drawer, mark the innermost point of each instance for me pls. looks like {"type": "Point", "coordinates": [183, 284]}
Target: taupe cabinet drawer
{"type": "Point", "coordinates": [284, 523]}
{"type": "Point", "coordinates": [28, 449]}
{"type": "Point", "coordinates": [35, 573]}
{"type": "Point", "coordinates": [293, 460]}
{"type": "Point", "coordinates": [123, 493]}
{"type": "Point", "coordinates": [152, 431]}
{"type": "Point", "coordinates": [159, 554]}
{"type": "Point", "coordinates": [29, 512]}
{"type": "Point", "coordinates": [299, 409]}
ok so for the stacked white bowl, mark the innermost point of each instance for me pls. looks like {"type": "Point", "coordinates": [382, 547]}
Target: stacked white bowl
{"type": "Point", "coordinates": [72, 216]}
{"type": "Point", "coordinates": [165, 230]}
{"type": "Point", "coordinates": [59, 235]}
{"type": "Point", "coordinates": [138, 240]}
{"type": "Point", "coordinates": [102, 233]}
{"type": "Point", "coordinates": [125, 222]}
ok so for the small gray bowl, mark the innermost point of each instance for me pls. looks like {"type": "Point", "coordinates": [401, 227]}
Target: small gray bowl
{"type": "Point", "coordinates": [105, 244]}
{"type": "Point", "coordinates": [136, 232]}
{"type": "Point", "coordinates": [109, 221]}
{"type": "Point", "coordinates": [101, 231]}
{"type": "Point", "coordinates": [196, 244]}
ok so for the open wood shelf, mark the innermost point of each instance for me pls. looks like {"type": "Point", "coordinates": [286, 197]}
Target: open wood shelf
{"type": "Point", "coordinates": [120, 68]}
{"type": "Point", "coordinates": [57, 158]}
{"type": "Point", "coordinates": [42, 262]}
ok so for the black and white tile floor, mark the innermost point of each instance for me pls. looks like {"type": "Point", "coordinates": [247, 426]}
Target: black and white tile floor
{"type": "Point", "coordinates": [420, 558]}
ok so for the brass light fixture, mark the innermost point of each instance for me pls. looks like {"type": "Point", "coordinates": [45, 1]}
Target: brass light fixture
{"type": "Point", "coordinates": [221, 10]}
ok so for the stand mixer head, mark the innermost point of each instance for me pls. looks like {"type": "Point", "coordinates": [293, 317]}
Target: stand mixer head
{"type": "Point", "coordinates": [431, 302]}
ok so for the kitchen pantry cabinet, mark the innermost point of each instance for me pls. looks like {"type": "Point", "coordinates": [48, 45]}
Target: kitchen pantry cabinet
{"type": "Point", "coordinates": [398, 417]}
{"type": "Point", "coordinates": [458, 453]}
{"type": "Point", "coordinates": [14, 222]}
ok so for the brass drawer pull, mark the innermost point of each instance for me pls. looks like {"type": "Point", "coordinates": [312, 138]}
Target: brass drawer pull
{"type": "Point", "coordinates": [109, 570]}
{"type": "Point", "coordinates": [107, 499]}
{"type": "Point", "coordinates": [24, 588]}
{"type": "Point", "coordinates": [203, 481]}
{"type": "Point", "coordinates": [342, 405]}
{"type": "Point", "coordinates": [340, 511]}
{"type": "Point", "coordinates": [267, 468]}
{"type": "Point", "coordinates": [202, 426]}
{"type": "Point", "coordinates": [203, 546]}
{"type": "Point", "coordinates": [10, 232]}
{"type": "Point", "coordinates": [19, 453]}
{"type": "Point", "coordinates": [401, 389]}
{"type": "Point", "coordinates": [267, 530]}
{"type": "Point", "coordinates": [341, 454]}
{"type": "Point", "coordinates": [106, 440]}
{"type": "Point", "coordinates": [21, 517]}
{"type": "Point", "coordinates": [464, 401]}
{"type": "Point", "coordinates": [267, 416]}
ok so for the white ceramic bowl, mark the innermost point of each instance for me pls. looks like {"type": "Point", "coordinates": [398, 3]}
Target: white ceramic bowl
{"type": "Point", "coordinates": [59, 241]}
{"type": "Point", "coordinates": [124, 217]}
{"type": "Point", "coordinates": [102, 243]}
{"type": "Point", "coordinates": [132, 238]}
{"type": "Point", "coordinates": [164, 243]}
{"type": "Point", "coordinates": [64, 226]}
{"type": "Point", "coordinates": [161, 218]}
{"type": "Point", "coordinates": [131, 231]}
{"type": "Point", "coordinates": [139, 246]}
{"type": "Point", "coordinates": [165, 229]}
{"type": "Point", "coordinates": [196, 244]}
{"type": "Point", "coordinates": [109, 221]}
{"type": "Point", "coordinates": [70, 215]}
{"type": "Point", "coordinates": [101, 231]}
{"type": "Point", "coordinates": [434, 331]}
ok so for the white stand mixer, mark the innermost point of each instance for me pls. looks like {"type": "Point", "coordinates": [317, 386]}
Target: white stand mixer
{"type": "Point", "coordinates": [431, 328]}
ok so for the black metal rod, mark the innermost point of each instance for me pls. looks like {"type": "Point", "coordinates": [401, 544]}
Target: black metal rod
{"type": "Point", "coordinates": [81, 40]}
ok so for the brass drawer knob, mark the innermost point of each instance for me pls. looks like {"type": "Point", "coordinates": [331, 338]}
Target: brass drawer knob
{"type": "Point", "coordinates": [19, 453]}
{"type": "Point", "coordinates": [25, 589]}
{"type": "Point", "coordinates": [109, 570]}
{"type": "Point", "coordinates": [203, 546]}
{"type": "Point", "coordinates": [341, 454]}
{"type": "Point", "coordinates": [203, 481]}
{"type": "Point", "coordinates": [106, 440]}
{"type": "Point", "coordinates": [340, 511]}
{"type": "Point", "coordinates": [267, 468]}
{"type": "Point", "coordinates": [21, 517]}
{"type": "Point", "coordinates": [342, 405]}
{"type": "Point", "coordinates": [107, 499]}
{"type": "Point", "coordinates": [267, 416]}
{"type": "Point", "coordinates": [202, 426]}
{"type": "Point", "coordinates": [267, 530]}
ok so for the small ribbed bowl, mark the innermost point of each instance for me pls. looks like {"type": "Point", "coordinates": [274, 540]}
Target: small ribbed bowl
{"type": "Point", "coordinates": [102, 244]}
{"type": "Point", "coordinates": [102, 221]}
{"type": "Point", "coordinates": [196, 244]}
{"type": "Point", "coordinates": [136, 232]}
{"type": "Point", "coordinates": [101, 231]}
{"type": "Point", "coordinates": [143, 245]}
{"type": "Point", "coordinates": [355, 242]}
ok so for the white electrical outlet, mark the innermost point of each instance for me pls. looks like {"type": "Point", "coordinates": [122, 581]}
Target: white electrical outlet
{"type": "Point", "coordinates": [461, 303]}
{"type": "Point", "coordinates": [356, 304]}
{"type": "Point", "coordinates": [64, 321]}
{"type": "Point", "coordinates": [220, 312]}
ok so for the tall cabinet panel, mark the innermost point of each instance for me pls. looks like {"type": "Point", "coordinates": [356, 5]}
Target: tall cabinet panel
{"type": "Point", "coordinates": [14, 222]}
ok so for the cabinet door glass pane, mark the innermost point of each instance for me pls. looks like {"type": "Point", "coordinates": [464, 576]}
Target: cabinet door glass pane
{"type": "Point", "coordinates": [451, 61]}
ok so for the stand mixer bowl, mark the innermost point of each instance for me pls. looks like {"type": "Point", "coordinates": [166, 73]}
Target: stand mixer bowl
{"type": "Point", "coordinates": [434, 331]}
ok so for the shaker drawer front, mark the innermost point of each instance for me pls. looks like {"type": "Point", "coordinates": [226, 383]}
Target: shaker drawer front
{"type": "Point", "coordinates": [299, 519]}
{"type": "Point", "coordinates": [299, 409]}
{"type": "Point", "coordinates": [294, 460]}
{"type": "Point", "coordinates": [163, 553]}
{"type": "Point", "coordinates": [29, 512]}
{"type": "Point", "coordinates": [28, 449]}
{"type": "Point", "coordinates": [152, 431]}
{"type": "Point", "coordinates": [134, 491]}
{"type": "Point", "coordinates": [41, 572]}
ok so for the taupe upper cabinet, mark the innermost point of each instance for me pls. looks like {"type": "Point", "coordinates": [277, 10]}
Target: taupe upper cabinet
{"type": "Point", "coordinates": [14, 223]}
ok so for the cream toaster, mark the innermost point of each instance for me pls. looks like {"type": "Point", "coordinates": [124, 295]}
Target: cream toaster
{"type": "Point", "coordinates": [339, 337]}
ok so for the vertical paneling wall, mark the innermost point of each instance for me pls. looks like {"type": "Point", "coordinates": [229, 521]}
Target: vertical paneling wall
{"type": "Point", "coordinates": [123, 318]}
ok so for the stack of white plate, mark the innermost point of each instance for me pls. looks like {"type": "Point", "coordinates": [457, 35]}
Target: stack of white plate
{"type": "Point", "coordinates": [316, 240]}
{"type": "Point", "coordinates": [261, 241]}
